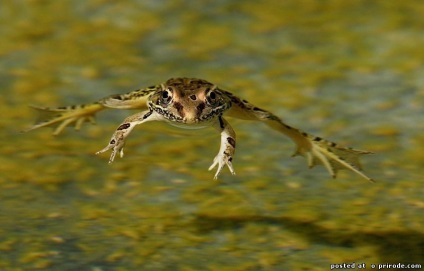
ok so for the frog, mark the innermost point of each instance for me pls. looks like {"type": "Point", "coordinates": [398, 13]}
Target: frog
{"type": "Point", "coordinates": [197, 103]}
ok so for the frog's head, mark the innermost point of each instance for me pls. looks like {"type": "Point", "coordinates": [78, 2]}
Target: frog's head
{"type": "Point", "coordinates": [189, 100]}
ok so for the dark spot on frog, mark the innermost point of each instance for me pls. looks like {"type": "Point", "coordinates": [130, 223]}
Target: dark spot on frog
{"type": "Point", "coordinates": [200, 109]}
{"type": "Point", "coordinates": [231, 141]}
{"type": "Point", "coordinates": [117, 97]}
{"type": "Point", "coordinates": [258, 109]}
{"type": "Point", "coordinates": [147, 114]}
{"type": "Point", "coordinates": [179, 108]}
{"type": "Point", "coordinates": [221, 122]}
{"type": "Point", "coordinates": [124, 126]}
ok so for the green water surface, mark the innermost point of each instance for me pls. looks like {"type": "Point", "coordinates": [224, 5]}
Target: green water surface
{"type": "Point", "coordinates": [349, 71]}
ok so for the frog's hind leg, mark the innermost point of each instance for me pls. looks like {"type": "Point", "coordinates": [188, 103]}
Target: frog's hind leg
{"type": "Point", "coordinates": [318, 151]}
{"type": "Point", "coordinates": [332, 156]}
{"type": "Point", "coordinates": [315, 149]}
{"type": "Point", "coordinates": [61, 117]}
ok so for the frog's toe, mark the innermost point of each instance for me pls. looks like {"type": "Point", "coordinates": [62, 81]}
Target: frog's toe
{"type": "Point", "coordinates": [115, 149]}
{"type": "Point", "coordinates": [221, 160]}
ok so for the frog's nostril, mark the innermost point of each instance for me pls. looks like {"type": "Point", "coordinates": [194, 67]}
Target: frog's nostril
{"type": "Point", "coordinates": [193, 97]}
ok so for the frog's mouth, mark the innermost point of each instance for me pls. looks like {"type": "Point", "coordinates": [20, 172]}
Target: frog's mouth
{"type": "Point", "coordinates": [190, 125]}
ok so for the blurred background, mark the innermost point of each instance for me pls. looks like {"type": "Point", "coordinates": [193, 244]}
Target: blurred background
{"type": "Point", "coordinates": [349, 71]}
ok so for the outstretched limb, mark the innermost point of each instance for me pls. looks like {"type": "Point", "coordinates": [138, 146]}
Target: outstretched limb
{"type": "Point", "coordinates": [117, 142]}
{"type": "Point", "coordinates": [78, 114]}
{"type": "Point", "coordinates": [315, 149]}
{"type": "Point", "coordinates": [227, 148]}
{"type": "Point", "coordinates": [64, 116]}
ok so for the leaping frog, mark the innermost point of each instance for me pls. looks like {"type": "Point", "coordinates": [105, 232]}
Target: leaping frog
{"type": "Point", "coordinates": [190, 102]}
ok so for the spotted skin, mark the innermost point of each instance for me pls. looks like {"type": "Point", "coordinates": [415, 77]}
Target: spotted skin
{"type": "Point", "coordinates": [197, 103]}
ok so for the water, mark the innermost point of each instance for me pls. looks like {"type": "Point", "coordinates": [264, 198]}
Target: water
{"type": "Point", "coordinates": [350, 72]}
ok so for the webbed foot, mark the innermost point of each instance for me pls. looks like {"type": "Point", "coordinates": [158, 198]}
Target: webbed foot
{"type": "Point", "coordinates": [333, 157]}
{"type": "Point", "coordinates": [62, 117]}
{"type": "Point", "coordinates": [116, 144]}
{"type": "Point", "coordinates": [221, 160]}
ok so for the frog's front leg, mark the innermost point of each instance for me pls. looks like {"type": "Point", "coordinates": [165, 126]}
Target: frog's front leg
{"type": "Point", "coordinates": [227, 149]}
{"type": "Point", "coordinates": [117, 142]}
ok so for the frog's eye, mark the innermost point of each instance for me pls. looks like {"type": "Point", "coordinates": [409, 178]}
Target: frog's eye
{"type": "Point", "coordinates": [211, 97]}
{"type": "Point", "coordinates": [166, 95]}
